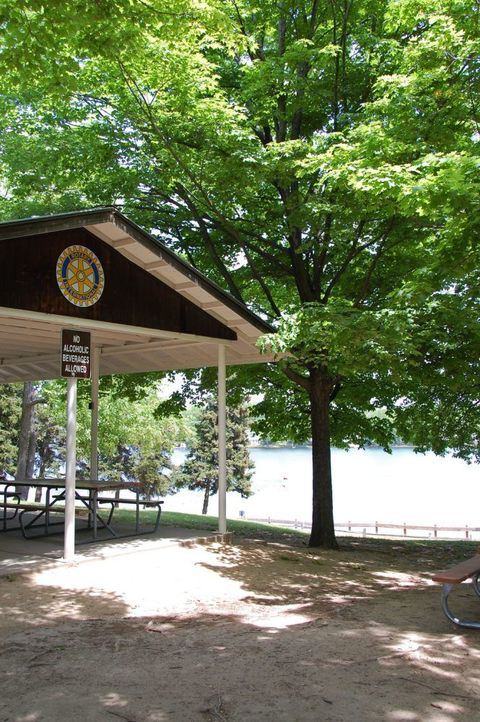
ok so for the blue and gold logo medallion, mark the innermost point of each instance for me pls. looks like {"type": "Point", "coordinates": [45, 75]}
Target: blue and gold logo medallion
{"type": "Point", "coordinates": [80, 276]}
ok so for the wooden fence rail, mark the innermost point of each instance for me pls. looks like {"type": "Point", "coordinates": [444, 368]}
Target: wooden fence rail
{"type": "Point", "coordinates": [375, 527]}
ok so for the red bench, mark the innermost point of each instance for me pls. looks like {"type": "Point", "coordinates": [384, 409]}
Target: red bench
{"type": "Point", "coordinates": [468, 569]}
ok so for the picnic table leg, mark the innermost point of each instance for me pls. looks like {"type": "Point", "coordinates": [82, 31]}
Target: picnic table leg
{"type": "Point", "coordinates": [137, 511]}
{"type": "Point", "coordinates": [446, 589]}
{"type": "Point", "coordinates": [90, 515]}
{"type": "Point", "coordinates": [91, 504]}
{"type": "Point", "coordinates": [7, 494]}
{"type": "Point", "coordinates": [47, 512]}
{"type": "Point", "coordinates": [95, 511]}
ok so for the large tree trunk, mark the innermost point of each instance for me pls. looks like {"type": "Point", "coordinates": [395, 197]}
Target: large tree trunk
{"type": "Point", "coordinates": [41, 472]}
{"type": "Point", "coordinates": [323, 529]}
{"type": "Point", "coordinates": [24, 437]}
{"type": "Point", "coordinates": [206, 497]}
{"type": "Point", "coordinates": [43, 450]}
{"type": "Point", "coordinates": [32, 449]}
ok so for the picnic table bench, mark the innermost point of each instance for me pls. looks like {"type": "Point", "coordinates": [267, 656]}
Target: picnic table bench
{"type": "Point", "coordinates": [35, 507]}
{"type": "Point", "coordinates": [151, 503]}
{"type": "Point", "coordinates": [468, 569]}
{"type": "Point", "coordinates": [16, 506]}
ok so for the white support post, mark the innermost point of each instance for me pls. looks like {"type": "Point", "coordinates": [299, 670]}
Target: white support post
{"type": "Point", "coordinates": [69, 534]}
{"type": "Point", "coordinates": [222, 449]}
{"type": "Point", "coordinates": [95, 370]}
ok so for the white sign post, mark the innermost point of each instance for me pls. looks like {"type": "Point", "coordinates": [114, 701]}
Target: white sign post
{"type": "Point", "coordinates": [222, 453]}
{"type": "Point", "coordinates": [70, 472]}
{"type": "Point", "coordinates": [75, 361]}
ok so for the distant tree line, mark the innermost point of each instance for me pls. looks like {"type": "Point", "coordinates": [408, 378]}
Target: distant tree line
{"type": "Point", "coordinates": [135, 444]}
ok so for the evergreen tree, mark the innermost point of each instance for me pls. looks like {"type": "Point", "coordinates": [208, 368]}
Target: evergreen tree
{"type": "Point", "coordinates": [152, 471]}
{"type": "Point", "coordinates": [200, 470]}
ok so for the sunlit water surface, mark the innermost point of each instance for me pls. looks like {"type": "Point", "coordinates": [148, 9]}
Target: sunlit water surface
{"type": "Point", "coordinates": [368, 485]}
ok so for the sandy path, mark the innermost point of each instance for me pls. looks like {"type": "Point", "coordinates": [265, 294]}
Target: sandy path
{"type": "Point", "coordinates": [246, 632]}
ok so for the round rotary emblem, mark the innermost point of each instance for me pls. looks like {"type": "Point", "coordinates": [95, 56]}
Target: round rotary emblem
{"type": "Point", "coordinates": [80, 276]}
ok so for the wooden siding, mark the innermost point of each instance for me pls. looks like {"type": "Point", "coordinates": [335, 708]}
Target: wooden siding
{"type": "Point", "coordinates": [131, 296]}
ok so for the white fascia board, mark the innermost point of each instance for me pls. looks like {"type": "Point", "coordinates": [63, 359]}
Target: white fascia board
{"type": "Point", "coordinates": [87, 324]}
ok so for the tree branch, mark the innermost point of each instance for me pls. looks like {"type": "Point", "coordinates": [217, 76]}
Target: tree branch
{"type": "Point", "coordinates": [354, 250]}
{"type": "Point", "coordinates": [297, 378]}
{"type": "Point", "coordinates": [368, 277]}
{"type": "Point", "coordinates": [228, 228]}
{"type": "Point", "coordinates": [259, 278]}
{"type": "Point", "coordinates": [280, 119]}
{"type": "Point", "coordinates": [258, 54]}
{"type": "Point", "coordinates": [210, 245]}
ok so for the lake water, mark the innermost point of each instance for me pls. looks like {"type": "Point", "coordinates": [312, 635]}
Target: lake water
{"type": "Point", "coordinates": [368, 485]}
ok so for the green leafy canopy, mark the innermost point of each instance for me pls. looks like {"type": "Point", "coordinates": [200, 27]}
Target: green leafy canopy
{"type": "Point", "coordinates": [319, 159]}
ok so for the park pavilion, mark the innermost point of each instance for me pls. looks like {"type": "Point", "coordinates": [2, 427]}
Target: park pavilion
{"type": "Point", "coordinates": [144, 307]}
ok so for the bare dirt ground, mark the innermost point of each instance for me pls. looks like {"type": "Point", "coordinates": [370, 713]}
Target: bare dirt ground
{"type": "Point", "coordinates": [263, 631]}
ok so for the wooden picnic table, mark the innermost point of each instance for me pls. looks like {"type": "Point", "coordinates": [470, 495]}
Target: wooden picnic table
{"type": "Point", "coordinates": [55, 497]}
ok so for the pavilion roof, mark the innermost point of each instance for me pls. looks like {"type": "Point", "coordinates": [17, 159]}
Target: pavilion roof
{"type": "Point", "coordinates": [205, 315]}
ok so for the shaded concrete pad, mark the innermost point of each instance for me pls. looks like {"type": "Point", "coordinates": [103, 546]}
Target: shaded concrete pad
{"type": "Point", "coordinates": [19, 555]}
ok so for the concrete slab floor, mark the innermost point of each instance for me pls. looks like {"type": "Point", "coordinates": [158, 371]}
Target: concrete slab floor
{"type": "Point", "coordinates": [19, 555]}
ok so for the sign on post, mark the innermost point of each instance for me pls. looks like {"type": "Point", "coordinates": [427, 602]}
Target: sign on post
{"type": "Point", "coordinates": [75, 356]}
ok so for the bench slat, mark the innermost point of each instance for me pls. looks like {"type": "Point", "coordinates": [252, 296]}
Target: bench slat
{"type": "Point", "coordinates": [142, 502]}
{"type": "Point", "coordinates": [21, 505]}
{"type": "Point", "coordinates": [459, 572]}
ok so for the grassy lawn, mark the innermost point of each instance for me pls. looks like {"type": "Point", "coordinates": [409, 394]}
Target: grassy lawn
{"type": "Point", "coordinates": [449, 551]}
{"type": "Point", "coordinates": [210, 523]}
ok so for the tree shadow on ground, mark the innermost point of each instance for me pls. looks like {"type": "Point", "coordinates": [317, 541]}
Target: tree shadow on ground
{"type": "Point", "coordinates": [292, 574]}
{"type": "Point", "coordinates": [221, 668]}
{"type": "Point", "coordinates": [380, 598]}
{"type": "Point", "coordinates": [25, 603]}
{"type": "Point", "coordinates": [314, 637]}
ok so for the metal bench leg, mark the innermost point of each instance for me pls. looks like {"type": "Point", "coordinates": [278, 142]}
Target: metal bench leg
{"type": "Point", "coordinates": [476, 584]}
{"type": "Point", "coordinates": [22, 524]}
{"type": "Point", "coordinates": [157, 520]}
{"type": "Point", "coordinates": [5, 512]}
{"type": "Point", "coordinates": [446, 589]}
{"type": "Point", "coordinates": [110, 513]}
